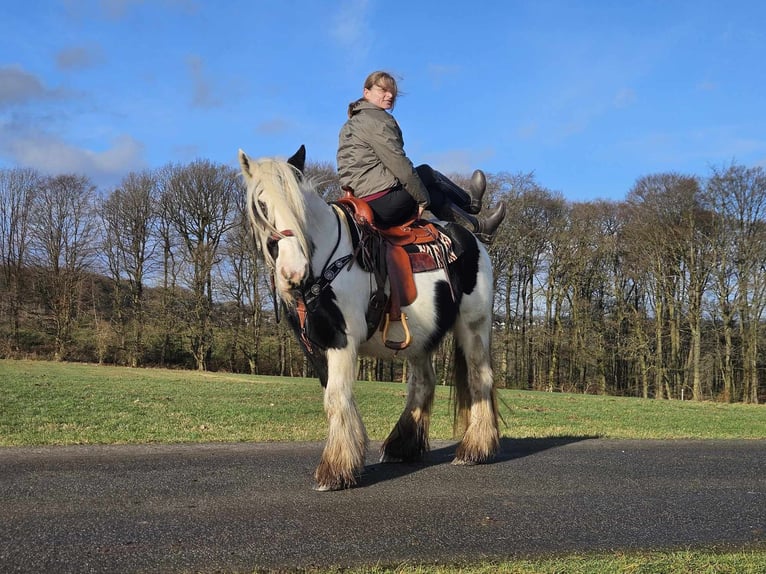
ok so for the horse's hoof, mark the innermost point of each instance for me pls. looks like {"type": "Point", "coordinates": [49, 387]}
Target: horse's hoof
{"type": "Point", "coordinates": [464, 462]}
{"type": "Point", "coordinates": [324, 488]}
{"type": "Point", "coordinates": [385, 457]}
{"type": "Point", "coordinates": [335, 484]}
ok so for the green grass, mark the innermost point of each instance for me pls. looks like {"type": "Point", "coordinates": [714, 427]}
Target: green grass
{"type": "Point", "coordinates": [681, 562]}
{"type": "Point", "coordinates": [46, 403]}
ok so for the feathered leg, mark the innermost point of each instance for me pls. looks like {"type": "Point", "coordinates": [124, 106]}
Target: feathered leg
{"type": "Point", "coordinates": [476, 399]}
{"type": "Point", "coordinates": [408, 441]}
{"type": "Point", "coordinates": [344, 453]}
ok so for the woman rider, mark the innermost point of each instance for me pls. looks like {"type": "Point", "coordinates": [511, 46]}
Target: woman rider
{"type": "Point", "coordinates": [372, 163]}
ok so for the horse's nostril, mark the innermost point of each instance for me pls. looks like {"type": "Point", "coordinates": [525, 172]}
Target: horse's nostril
{"type": "Point", "coordinates": [292, 277]}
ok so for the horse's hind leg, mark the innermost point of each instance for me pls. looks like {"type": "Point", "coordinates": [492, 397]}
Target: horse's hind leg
{"type": "Point", "coordinates": [475, 396]}
{"type": "Point", "coordinates": [408, 440]}
{"type": "Point", "coordinates": [344, 452]}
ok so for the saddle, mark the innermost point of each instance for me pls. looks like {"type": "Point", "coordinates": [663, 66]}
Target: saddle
{"type": "Point", "coordinates": [396, 253]}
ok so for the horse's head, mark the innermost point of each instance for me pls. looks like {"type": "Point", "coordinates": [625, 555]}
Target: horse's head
{"type": "Point", "coordinates": [277, 213]}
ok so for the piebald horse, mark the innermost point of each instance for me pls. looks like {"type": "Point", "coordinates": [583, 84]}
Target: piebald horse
{"type": "Point", "coordinates": [309, 247]}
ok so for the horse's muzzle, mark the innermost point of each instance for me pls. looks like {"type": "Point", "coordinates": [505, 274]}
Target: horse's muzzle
{"type": "Point", "coordinates": [292, 278]}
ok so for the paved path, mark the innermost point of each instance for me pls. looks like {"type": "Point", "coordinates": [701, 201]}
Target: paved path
{"type": "Point", "coordinates": [242, 507]}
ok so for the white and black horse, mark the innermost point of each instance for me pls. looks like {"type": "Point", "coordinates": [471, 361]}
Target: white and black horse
{"type": "Point", "coordinates": [309, 246]}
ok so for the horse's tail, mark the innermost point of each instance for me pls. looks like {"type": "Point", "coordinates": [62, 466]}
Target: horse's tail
{"type": "Point", "coordinates": [461, 394]}
{"type": "Point", "coordinates": [461, 399]}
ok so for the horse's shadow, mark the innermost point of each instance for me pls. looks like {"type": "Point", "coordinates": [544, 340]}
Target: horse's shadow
{"type": "Point", "coordinates": [510, 449]}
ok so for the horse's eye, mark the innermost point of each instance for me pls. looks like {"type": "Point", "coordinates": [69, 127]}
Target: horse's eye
{"type": "Point", "coordinates": [264, 209]}
{"type": "Point", "coordinates": [272, 247]}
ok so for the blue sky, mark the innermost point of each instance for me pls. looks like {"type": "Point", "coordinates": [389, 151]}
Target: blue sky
{"type": "Point", "coordinates": [588, 95]}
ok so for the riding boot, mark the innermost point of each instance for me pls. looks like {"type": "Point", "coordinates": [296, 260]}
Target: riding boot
{"type": "Point", "coordinates": [484, 227]}
{"type": "Point", "coordinates": [477, 187]}
{"type": "Point", "coordinates": [468, 200]}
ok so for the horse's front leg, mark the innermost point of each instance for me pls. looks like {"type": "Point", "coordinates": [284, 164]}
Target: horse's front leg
{"type": "Point", "coordinates": [408, 441]}
{"type": "Point", "coordinates": [344, 452]}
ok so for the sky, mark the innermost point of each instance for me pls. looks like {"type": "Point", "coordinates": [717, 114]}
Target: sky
{"type": "Point", "coordinates": [587, 95]}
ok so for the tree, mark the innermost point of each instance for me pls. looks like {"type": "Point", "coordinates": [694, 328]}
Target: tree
{"type": "Point", "coordinates": [200, 204]}
{"type": "Point", "coordinates": [648, 256]}
{"type": "Point", "coordinates": [243, 281]}
{"type": "Point", "coordinates": [587, 284]}
{"type": "Point", "coordinates": [129, 215]}
{"type": "Point", "coordinates": [17, 192]}
{"type": "Point", "coordinates": [64, 235]}
{"type": "Point", "coordinates": [325, 178]}
{"type": "Point", "coordinates": [738, 195]}
{"type": "Point", "coordinates": [672, 229]}
{"type": "Point", "coordinates": [532, 217]}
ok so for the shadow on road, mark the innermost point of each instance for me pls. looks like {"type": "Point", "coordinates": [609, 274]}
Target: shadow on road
{"type": "Point", "coordinates": [510, 449]}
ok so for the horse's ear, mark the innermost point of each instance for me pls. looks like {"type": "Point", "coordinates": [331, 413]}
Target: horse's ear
{"type": "Point", "coordinates": [298, 160]}
{"type": "Point", "coordinates": [244, 164]}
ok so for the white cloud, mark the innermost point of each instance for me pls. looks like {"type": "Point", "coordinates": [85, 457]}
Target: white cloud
{"type": "Point", "coordinates": [18, 86]}
{"type": "Point", "coordinates": [440, 72]}
{"type": "Point", "coordinates": [116, 9]}
{"type": "Point", "coordinates": [79, 57]}
{"type": "Point", "coordinates": [695, 148]}
{"type": "Point", "coordinates": [273, 126]}
{"type": "Point", "coordinates": [351, 29]}
{"type": "Point", "coordinates": [202, 96]}
{"type": "Point", "coordinates": [460, 161]}
{"type": "Point", "coordinates": [52, 155]}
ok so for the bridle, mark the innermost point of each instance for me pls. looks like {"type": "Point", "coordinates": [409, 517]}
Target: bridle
{"type": "Point", "coordinates": [307, 295]}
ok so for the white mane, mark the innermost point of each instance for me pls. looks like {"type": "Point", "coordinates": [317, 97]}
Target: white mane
{"type": "Point", "coordinates": [276, 202]}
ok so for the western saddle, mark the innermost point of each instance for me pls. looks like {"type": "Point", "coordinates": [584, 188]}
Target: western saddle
{"type": "Point", "coordinates": [395, 253]}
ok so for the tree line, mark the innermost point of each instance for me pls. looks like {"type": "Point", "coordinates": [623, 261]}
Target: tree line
{"type": "Point", "coordinates": [659, 295]}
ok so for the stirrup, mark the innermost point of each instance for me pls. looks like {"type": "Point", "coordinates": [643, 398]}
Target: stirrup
{"type": "Point", "coordinates": [396, 345]}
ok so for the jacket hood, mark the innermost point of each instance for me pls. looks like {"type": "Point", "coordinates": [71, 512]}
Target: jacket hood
{"type": "Point", "coordinates": [361, 104]}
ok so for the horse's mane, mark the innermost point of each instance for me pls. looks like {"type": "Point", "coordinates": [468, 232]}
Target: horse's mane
{"type": "Point", "coordinates": [279, 187]}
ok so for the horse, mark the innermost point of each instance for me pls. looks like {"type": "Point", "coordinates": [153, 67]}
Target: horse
{"type": "Point", "coordinates": [309, 247]}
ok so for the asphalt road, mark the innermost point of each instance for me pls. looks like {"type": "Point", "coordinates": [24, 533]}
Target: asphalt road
{"type": "Point", "coordinates": [246, 507]}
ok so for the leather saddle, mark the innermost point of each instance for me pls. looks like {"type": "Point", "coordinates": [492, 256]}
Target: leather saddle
{"type": "Point", "coordinates": [396, 253]}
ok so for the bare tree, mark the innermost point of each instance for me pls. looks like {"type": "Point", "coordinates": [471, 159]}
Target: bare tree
{"type": "Point", "coordinates": [200, 203]}
{"type": "Point", "coordinates": [648, 217]}
{"type": "Point", "coordinates": [325, 178]}
{"type": "Point", "coordinates": [697, 250]}
{"type": "Point", "coordinates": [17, 191]}
{"type": "Point", "coordinates": [129, 215]}
{"type": "Point", "coordinates": [64, 233]}
{"type": "Point", "coordinates": [738, 196]}
{"type": "Point", "coordinates": [525, 236]}
{"type": "Point", "coordinates": [673, 230]}
{"type": "Point", "coordinates": [588, 291]}
{"type": "Point", "coordinates": [243, 284]}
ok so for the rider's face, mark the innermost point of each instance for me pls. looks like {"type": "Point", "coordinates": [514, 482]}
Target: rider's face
{"type": "Point", "coordinates": [379, 96]}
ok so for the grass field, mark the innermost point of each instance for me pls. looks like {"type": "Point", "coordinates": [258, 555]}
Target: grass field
{"type": "Point", "coordinates": [68, 403]}
{"type": "Point", "coordinates": [46, 403]}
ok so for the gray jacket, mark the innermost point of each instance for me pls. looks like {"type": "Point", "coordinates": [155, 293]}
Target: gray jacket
{"type": "Point", "coordinates": [371, 154]}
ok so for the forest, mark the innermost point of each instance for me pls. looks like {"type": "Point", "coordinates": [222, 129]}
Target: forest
{"type": "Point", "coordinates": [660, 295]}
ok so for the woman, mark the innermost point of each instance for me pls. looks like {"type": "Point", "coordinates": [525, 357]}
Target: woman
{"type": "Point", "coordinates": [373, 165]}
